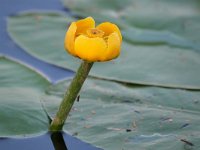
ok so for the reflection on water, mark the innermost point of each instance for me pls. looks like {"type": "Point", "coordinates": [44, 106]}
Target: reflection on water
{"type": "Point", "coordinates": [58, 141]}
{"type": "Point", "coordinates": [48, 141]}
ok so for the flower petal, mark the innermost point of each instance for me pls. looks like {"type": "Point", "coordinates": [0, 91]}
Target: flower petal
{"type": "Point", "coordinates": [90, 49]}
{"type": "Point", "coordinates": [84, 24]}
{"type": "Point", "coordinates": [109, 28]}
{"type": "Point", "coordinates": [114, 45]}
{"type": "Point", "coordinates": [70, 38]}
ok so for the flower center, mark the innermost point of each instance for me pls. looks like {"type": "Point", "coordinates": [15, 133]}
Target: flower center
{"type": "Point", "coordinates": [92, 33]}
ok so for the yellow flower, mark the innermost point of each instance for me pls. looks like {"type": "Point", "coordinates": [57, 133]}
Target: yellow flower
{"type": "Point", "coordinates": [90, 43]}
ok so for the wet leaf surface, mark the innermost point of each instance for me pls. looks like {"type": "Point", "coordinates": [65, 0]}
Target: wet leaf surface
{"type": "Point", "coordinates": [116, 116]}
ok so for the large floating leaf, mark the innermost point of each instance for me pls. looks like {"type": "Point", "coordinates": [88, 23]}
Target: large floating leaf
{"type": "Point", "coordinates": [107, 111]}
{"type": "Point", "coordinates": [21, 112]}
{"type": "Point", "coordinates": [144, 62]}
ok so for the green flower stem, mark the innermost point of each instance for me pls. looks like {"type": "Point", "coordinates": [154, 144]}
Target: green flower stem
{"type": "Point", "coordinates": [70, 96]}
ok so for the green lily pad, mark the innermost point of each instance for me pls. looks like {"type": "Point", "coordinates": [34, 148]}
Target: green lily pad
{"type": "Point", "coordinates": [21, 112]}
{"type": "Point", "coordinates": [142, 61]}
{"type": "Point", "coordinates": [115, 116]}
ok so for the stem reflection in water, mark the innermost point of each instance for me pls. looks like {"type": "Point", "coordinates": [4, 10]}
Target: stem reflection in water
{"type": "Point", "coordinates": [58, 141]}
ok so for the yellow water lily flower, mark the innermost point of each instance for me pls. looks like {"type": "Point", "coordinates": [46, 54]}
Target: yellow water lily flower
{"type": "Point", "coordinates": [90, 43]}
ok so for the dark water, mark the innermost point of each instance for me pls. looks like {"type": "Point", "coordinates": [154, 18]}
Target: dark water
{"type": "Point", "coordinates": [9, 49]}
{"type": "Point", "coordinates": [48, 141]}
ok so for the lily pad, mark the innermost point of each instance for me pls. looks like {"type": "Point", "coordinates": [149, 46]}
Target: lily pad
{"type": "Point", "coordinates": [142, 61]}
{"type": "Point", "coordinates": [115, 116]}
{"type": "Point", "coordinates": [21, 112]}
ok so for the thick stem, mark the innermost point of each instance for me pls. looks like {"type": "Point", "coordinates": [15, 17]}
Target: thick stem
{"type": "Point", "coordinates": [70, 96]}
